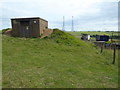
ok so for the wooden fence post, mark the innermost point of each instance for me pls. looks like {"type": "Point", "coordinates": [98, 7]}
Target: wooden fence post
{"type": "Point", "coordinates": [114, 54]}
{"type": "Point", "coordinates": [102, 47]}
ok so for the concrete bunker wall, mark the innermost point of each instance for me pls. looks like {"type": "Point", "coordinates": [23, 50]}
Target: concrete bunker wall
{"type": "Point", "coordinates": [28, 27]}
{"type": "Point", "coordinates": [43, 26]}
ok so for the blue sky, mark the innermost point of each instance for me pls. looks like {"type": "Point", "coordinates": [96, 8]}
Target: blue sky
{"type": "Point", "coordinates": [89, 15]}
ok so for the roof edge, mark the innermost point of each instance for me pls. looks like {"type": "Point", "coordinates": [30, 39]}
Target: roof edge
{"type": "Point", "coordinates": [28, 18]}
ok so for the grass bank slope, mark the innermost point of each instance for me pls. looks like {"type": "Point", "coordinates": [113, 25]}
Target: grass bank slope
{"type": "Point", "coordinates": [57, 61]}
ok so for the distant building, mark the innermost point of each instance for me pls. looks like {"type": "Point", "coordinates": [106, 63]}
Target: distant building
{"type": "Point", "coordinates": [102, 38]}
{"type": "Point", "coordinates": [28, 27]}
{"type": "Point", "coordinates": [85, 37]}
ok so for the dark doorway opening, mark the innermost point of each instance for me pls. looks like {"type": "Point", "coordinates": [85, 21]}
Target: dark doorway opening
{"type": "Point", "coordinates": [25, 29]}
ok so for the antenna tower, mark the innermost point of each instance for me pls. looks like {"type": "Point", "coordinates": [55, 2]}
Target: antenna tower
{"type": "Point", "coordinates": [72, 24]}
{"type": "Point", "coordinates": [63, 24]}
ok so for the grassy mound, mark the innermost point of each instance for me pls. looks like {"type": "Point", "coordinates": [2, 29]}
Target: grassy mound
{"type": "Point", "coordinates": [64, 38]}
{"type": "Point", "coordinates": [56, 62]}
{"type": "Point", "coordinates": [4, 30]}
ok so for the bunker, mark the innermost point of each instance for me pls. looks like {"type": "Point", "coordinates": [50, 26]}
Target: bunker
{"type": "Point", "coordinates": [28, 27]}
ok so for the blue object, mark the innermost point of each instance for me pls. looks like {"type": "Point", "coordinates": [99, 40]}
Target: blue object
{"type": "Point", "coordinates": [102, 38]}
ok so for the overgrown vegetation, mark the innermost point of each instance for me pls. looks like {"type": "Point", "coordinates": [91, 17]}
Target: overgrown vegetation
{"type": "Point", "coordinates": [58, 61]}
{"type": "Point", "coordinates": [4, 30]}
{"type": "Point", "coordinates": [64, 38]}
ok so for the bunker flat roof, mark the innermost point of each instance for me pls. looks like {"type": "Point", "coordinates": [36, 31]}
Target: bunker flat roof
{"type": "Point", "coordinates": [28, 18]}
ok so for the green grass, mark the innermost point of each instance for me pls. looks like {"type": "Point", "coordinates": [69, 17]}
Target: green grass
{"type": "Point", "coordinates": [78, 34]}
{"type": "Point", "coordinates": [4, 30]}
{"type": "Point", "coordinates": [94, 33]}
{"type": "Point", "coordinates": [58, 61]}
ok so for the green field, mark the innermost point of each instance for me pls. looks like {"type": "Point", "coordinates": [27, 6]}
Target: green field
{"type": "Point", "coordinates": [57, 61]}
{"type": "Point", "coordinates": [78, 34]}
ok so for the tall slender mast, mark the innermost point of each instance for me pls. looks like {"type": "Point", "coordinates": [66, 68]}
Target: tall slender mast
{"type": "Point", "coordinates": [63, 24]}
{"type": "Point", "coordinates": [72, 24]}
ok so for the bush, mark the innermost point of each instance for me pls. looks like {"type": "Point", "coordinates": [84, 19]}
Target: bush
{"type": "Point", "coordinates": [4, 30]}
